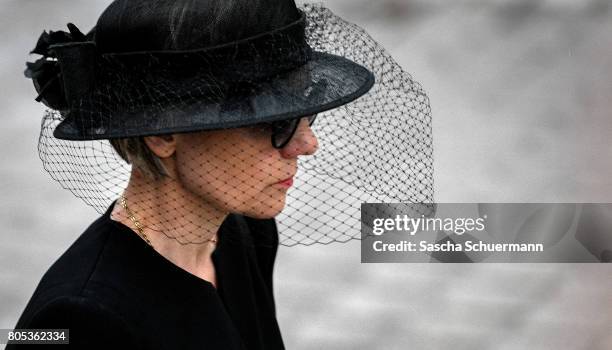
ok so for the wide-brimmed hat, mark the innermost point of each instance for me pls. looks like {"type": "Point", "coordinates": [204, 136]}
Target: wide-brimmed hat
{"type": "Point", "coordinates": [144, 70]}
{"type": "Point", "coordinates": [179, 66]}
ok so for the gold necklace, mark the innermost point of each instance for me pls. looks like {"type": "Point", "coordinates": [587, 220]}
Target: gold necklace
{"type": "Point", "coordinates": [137, 223]}
{"type": "Point", "coordinates": [139, 226]}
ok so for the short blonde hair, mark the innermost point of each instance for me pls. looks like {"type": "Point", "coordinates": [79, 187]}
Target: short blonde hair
{"type": "Point", "coordinates": [135, 151]}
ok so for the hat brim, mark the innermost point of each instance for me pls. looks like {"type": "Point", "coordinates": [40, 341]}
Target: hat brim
{"type": "Point", "coordinates": [325, 82]}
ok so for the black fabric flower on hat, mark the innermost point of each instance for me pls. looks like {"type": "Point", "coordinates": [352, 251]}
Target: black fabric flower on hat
{"type": "Point", "coordinates": [45, 72]}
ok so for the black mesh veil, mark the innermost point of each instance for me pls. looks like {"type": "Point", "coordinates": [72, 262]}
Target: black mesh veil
{"type": "Point", "coordinates": [372, 147]}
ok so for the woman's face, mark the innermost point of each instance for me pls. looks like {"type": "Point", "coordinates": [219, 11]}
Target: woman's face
{"type": "Point", "coordinates": [238, 170]}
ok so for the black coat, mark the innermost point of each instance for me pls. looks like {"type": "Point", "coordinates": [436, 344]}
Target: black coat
{"type": "Point", "coordinates": [113, 291]}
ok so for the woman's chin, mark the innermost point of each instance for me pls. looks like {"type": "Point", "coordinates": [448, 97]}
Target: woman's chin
{"type": "Point", "coordinates": [266, 209]}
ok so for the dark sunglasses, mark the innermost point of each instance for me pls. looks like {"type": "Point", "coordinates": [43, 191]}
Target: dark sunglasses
{"type": "Point", "coordinates": [283, 130]}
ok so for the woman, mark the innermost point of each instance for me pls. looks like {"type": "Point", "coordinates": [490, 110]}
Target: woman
{"type": "Point", "coordinates": [211, 105]}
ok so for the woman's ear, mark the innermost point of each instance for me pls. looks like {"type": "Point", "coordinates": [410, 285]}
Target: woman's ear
{"type": "Point", "coordinates": [162, 146]}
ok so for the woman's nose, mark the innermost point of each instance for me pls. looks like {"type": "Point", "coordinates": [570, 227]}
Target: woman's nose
{"type": "Point", "coordinates": [303, 142]}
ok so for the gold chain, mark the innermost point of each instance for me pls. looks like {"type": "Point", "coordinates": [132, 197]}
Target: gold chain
{"type": "Point", "coordinates": [139, 226]}
{"type": "Point", "coordinates": [137, 223]}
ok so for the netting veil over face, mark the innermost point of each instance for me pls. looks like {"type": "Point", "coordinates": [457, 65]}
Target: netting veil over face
{"type": "Point", "coordinates": [214, 114]}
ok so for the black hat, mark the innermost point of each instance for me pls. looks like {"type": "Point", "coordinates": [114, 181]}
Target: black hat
{"type": "Point", "coordinates": [167, 66]}
{"type": "Point", "coordinates": [154, 67]}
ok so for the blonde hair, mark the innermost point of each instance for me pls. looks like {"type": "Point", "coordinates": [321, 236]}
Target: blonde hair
{"type": "Point", "coordinates": [135, 151]}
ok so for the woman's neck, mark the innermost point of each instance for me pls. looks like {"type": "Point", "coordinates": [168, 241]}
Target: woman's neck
{"type": "Point", "coordinates": [180, 225]}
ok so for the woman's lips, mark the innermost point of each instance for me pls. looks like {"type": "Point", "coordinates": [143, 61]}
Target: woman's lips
{"type": "Point", "coordinates": [286, 183]}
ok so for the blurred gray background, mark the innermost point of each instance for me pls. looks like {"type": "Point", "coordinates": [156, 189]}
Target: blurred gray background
{"type": "Point", "coordinates": [521, 94]}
